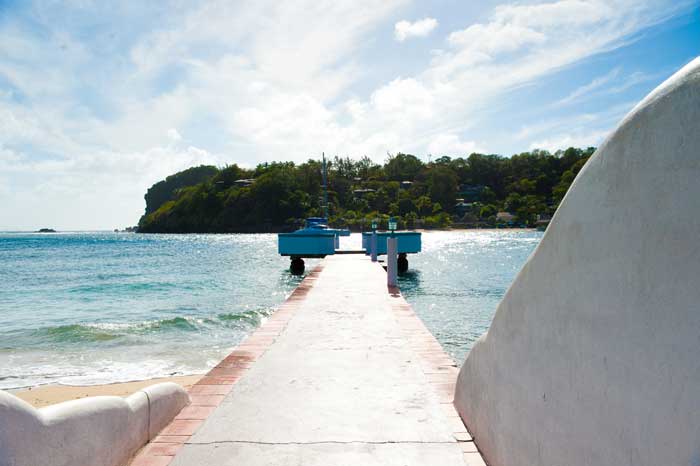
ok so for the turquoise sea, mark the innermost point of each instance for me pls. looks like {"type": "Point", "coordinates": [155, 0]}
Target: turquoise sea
{"type": "Point", "coordinates": [89, 308]}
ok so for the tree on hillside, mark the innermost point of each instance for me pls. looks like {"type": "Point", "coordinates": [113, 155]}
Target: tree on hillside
{"type": "Point", "coordinates": [367, 169]}
{"type": "Point", "coordinates": [229, 174]}
{"type": "Point", "coordinates": [402, 167]}
{"type": "Point", "coordinates": [442, 186]}
{"type": "Point", "coordinates": [166, 190]}
{"type": "Point", "coordinates": [487, 170]}
{"type": "Point", "coordinates": [278, 195]}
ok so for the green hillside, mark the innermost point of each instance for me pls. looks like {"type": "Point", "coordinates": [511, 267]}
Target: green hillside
{"type": "Point", "coordinates": [277, 196]}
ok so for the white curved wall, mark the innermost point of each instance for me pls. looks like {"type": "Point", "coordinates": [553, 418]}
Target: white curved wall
{"type": "Point", "coordinates": [593, 356]}
{"type": "Point", "coordinates": [102, 430]}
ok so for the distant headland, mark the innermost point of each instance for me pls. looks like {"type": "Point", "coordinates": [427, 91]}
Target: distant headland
{"type": "Point", "coordinates": [479, 191]}
{"type": "Point", "coordinates": [46, 230]}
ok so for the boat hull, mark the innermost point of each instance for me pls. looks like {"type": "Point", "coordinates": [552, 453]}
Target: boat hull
{"type": "Point", "coordinates": [306, 244]}
{"type": "Point", "coordinates": [409, 242]}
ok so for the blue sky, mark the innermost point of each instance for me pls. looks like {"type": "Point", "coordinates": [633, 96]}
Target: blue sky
{"type": "Point", "coordinates": [98, 101]}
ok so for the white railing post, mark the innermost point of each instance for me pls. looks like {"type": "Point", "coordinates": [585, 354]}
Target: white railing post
{"type": "Point", "coordinates": [391, 260]}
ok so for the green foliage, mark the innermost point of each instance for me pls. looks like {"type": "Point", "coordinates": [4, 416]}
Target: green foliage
{"type": "Point", "coordinates": [406, 206]}
{"type": "Point", "coordinates": [424, 205]}
{"type": "Point", "coordinates": [280, 195]}
{"type": "Point", "coordinates": [442, 220]}
{"type": "Point", "coordinates": [402, 167]}
{"type": "Point", "coordinates": [442, 186]}
{"type": "Point", "coordinates": [489, 210]}
{"type": "Point", "coordinates": [166, 190]}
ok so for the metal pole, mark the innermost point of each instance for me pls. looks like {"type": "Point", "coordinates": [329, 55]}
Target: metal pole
{"type": "Point", "coordinates": [325, 188]}
{"type": "Point", "coordinates": [373, 246]}
{"type": "Point", "coordinates": [392, 260]}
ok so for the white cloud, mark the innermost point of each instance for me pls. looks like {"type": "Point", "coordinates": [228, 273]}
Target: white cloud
{"type": "Point", "coordinates": [577, 130]}
{"type": "Point", "coordinates": [451, 144]}
{"type": "Point", "coordinates": [585, 90]}
{"type": "Point", "coordinates": [488, 39]}
{"type": "Point", "coordinates": [102, 119]}
{"type": "Point", "coordinates": [174, 135]}
{"type": "Point", "coordinates": [566, 140]}
{"type": "Point", "coordinates": [636, 78]}
{"type": "Point", "coordinates": [403, 99]}
{"type": "Point", "coordinates": [99, 186]}
{"type": "Point", "coordinates": [405, 29]}
{"type": "Point", "coordinates": [8, 156]}
{"type": "Point", "coordinates": [522, 42]}
{"type": "Point", "coordinates": [613, 82]}
{"type": "Point", "coordinates": [582, 130]}
{"type": "Point", "coordinates": [558, 14]}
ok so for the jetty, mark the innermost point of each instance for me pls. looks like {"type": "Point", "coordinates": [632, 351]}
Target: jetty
{"type": "Point", "coordinates": [592, 357]}
{"type": "Point", "coordinates": [327, 379]}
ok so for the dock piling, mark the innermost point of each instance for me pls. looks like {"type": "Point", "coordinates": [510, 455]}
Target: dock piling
{"type": "Point", "coordinates": [373, 246]}
{"type": "Point", "coordinates": [391, 260]}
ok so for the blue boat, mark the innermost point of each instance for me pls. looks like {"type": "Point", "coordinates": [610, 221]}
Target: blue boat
{"type": "Point", "coordinates": [408, 242]}
{"type": "Point", "coordinates": [316, 239]}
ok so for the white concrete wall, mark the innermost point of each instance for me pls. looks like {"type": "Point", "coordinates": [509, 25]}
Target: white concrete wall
{"type": "Point", "coordinates": [96, 431]}
{"type": "Point", "coordinates": [593, 356]}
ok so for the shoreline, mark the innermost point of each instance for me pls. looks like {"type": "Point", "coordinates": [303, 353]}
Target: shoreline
{"type": "Point", "coordinates": [41, 396]}
{"type": "Point", "coordinates": [256, 232]}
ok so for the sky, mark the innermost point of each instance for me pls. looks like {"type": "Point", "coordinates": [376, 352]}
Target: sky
{"type": "Point", "coordinates": [99, 100]}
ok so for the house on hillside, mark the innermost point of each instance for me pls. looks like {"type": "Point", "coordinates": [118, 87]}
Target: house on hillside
{"type": "Point", "coordinates": [360, 193]}
{"type": "Point", "coordinates": [462, 207]}
{"type": "Point", "coordinates": [471, 192]}
{"type": "Point", "coordinates": [543, 221]}
{"type": "Point", "coordinates": [505, 217]}
{"type": "Point", "coordinates": [244, 183]}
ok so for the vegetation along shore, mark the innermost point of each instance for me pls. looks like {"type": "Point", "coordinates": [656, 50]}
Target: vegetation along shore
{"type": "Point", "coordinates": [477, 191]}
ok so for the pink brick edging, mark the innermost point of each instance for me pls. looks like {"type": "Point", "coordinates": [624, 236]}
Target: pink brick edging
{"type": "Point", "coordinates": [440, 370]}
{"type": "Point", "coordinates": [213, 387]}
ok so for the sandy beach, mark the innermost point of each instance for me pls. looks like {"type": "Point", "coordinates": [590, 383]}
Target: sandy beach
{"type": "Point", "coordinates": [46, 395]}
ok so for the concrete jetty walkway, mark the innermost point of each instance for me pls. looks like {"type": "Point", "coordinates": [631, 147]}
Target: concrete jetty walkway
{"type": "Point", "coordinates": [343, 374]}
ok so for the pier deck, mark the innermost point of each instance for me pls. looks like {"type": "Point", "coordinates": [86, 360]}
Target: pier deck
{"type": "Point", "coordinates": [343, 374]}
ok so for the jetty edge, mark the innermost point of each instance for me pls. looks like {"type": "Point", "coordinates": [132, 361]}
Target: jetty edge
{"type": "Point", "coordinates": [593, 355]}
{"type": "Point", "coordinates": [103, 430]}
{"type": "Point", "coordinates": [328, 379]}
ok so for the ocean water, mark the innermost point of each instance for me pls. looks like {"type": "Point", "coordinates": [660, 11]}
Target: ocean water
{"type": "Point", "coordinates": [89, 308]}
{"type": "Point", "coordinates": [457, 281]}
